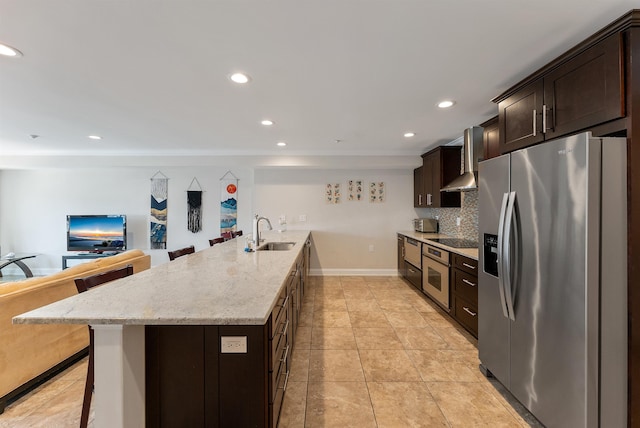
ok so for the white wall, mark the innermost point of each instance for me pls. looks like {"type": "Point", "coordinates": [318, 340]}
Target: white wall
{"type": "Point", "coordinates": [34, 205]}
{"type": "Point", "coordinates": [342, 233]}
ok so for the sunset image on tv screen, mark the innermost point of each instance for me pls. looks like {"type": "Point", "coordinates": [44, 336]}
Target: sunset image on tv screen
{"type": "Point", "coordinates": [96, 232]}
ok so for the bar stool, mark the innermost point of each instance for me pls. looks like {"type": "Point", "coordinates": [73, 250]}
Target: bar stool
{"type": "Point", "coordinates": [83, 285]}
{"type": "Point", "coordinates": [235, 234]}
{"type": "Point", "coordinates": [215, 241]}
{"type": "Point", "coordinates": [181, 252]}
{"type": "Point", "coordinates": [226, 235]}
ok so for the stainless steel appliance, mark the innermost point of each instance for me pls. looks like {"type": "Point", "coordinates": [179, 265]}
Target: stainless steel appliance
{"type": "Point", "coordinates": [473, 148]}
{"type": "Point", "coordinates": [425, 225]}
{"type": "Point", "coordinates": [412, 249]}
{"type": "Point", "coordinates": [552, 284]}
{"type": "Point", "coordinates": [456, 242]}
{"type": "Point", "coordinates": [435, 274]}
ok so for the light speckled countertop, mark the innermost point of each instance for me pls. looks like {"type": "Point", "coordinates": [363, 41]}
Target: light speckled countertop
{"type": "Point", "coordinates": [221, 285]}
{"type": "Point", "coordinates": [472, 253]}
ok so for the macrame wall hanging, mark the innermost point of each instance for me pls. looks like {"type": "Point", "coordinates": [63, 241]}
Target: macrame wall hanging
{"type": "Point", "coordinates": [228, 202]}
{"type": "Point", "coordinates": [194, 210]}
{"type": "Point", "coordinates": [159, 194]}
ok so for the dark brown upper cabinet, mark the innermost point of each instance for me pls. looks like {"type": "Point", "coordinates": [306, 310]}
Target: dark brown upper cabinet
{"type": "Point", "coordinates": [491, 138]}
{"type": "Point", "coordinates": [582, 92]}
{"type": "Point", "coordinates": [439, 167]}
{"type": "Point", "coordinates": [419, 200]}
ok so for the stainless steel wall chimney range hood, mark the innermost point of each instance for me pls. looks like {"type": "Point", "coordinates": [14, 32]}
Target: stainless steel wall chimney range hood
{"type": "Point", "coordinates": [473, 147]}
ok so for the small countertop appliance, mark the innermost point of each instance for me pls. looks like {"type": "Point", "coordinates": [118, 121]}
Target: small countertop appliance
{"type": "Point", "coordinates": [425, 225]}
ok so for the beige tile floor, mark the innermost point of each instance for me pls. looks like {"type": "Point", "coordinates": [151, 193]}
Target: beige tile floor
{"type": "Point", "coordinates": [369, 352]}
{"type": "Point", "coordinates": [374, 352]}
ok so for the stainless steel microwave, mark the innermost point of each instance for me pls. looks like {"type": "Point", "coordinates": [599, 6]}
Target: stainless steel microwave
{"type": "Point", "coordinates": [425, 225]}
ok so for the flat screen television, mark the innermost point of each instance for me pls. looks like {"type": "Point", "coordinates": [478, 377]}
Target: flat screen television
{"type": "Point", "coordinates": [96, 233]}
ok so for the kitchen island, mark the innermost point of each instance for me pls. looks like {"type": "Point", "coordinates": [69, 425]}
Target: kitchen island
{"type": "Point", "coordinates": [203, 340]}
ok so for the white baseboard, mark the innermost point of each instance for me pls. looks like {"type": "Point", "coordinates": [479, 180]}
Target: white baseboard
{"type": "Point", "coordinates": [353, 272]}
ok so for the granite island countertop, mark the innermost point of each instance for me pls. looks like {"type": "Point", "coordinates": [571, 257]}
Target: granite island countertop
{"type": "Point", "coordinates": [472, 253]}
{"type": "Point", "coordinates": [220, 285]}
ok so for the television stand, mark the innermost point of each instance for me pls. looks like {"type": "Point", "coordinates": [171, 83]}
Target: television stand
{"type": "Point", "coordinates": [83, 256]}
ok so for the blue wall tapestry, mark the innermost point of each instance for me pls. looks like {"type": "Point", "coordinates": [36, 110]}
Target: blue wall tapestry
{"type": "Point", "coordinates": [228, 203]}
{"type": "Point", "coordinates": [159, 193]}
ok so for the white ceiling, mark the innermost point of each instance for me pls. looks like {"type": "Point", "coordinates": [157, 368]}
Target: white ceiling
{"type": "Point", "coordinates": [151, 76]}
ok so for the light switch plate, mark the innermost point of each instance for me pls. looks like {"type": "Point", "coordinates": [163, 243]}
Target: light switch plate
{"type": "Point", "coordinates": [233, 344]}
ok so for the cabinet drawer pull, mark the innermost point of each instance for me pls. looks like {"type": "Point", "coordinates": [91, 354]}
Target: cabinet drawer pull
{"type": "Point", "coordinates": [411, 270]}
{"type": "Point", "coordinates": [469, 266]}
{"type": "Point", "coordinates": [468, 282]}
{"type": "Point", "coordinates": [286, 352]}
{"type": "Point", "coordinates": [286, 381]}
{"type": "Point", "coordinates": [467, 310]}
{"type": "Point", "coordinates": [534, 122]}
{"type": "Point", "coordinates": [284, 330]}
{"type": "Point", "coordinates": [286, 301]}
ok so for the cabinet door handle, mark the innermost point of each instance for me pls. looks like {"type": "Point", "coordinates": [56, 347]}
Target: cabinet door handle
{"type": "Point", "coordinates": [468, 282]}
{"type": "Point", "coordinates": [284, 304]}
{"type": "Point", "coordinates": [535, 113]}
{"type": "Point", "coordinates": [545, 113]}
{"type": "Point", "coordinates": [428, 198]}
{"type": "Point", "coordinates": [467, 310]}
{"type": "Point", "coordinates": [284, 330]}
{"type": "Point", "coordinates": [420, 199]}
{"type": "Point", "coordinates": [286, 381]}
{"type": "Point", "coordinates": [286, 352]}
{"type": "Point", "coordinates": [469, 266]}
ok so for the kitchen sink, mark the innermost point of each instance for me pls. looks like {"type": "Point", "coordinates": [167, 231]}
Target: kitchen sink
{"type": "Point", "coordinates": [276, 246]}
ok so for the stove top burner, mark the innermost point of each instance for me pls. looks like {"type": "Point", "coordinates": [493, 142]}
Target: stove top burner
{"type": "Point", "coordinates": [456, 242]}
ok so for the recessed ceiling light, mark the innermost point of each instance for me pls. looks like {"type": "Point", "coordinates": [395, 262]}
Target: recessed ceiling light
{"type": "Point", "coordinates": [281, 144]}
{"type": "Point", "coordinates": [239, 77]}
{"type": "Point", "coordinates": [267, 122]}
{"type": "Point", "coordinates": [94, 137]}
{"type": "Point", "coordinates": [409, 134]}
{"type": "Point", "coordinates": [9, 51]}
{"type": "Point", "coordinates": [446, 103]}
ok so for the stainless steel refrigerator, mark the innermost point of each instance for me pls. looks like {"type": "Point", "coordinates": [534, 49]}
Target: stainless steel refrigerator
{"type": "Point", "coordinates": [552, 323]}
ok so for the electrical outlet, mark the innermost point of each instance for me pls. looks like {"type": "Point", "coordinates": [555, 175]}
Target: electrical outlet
{"type": "Point", "coordinates": [302, 217]}
{"type": "Point", "coordinates": [233, 344]}
{"type": "Point", "coordinates": [457, 221]}
{"type": "Point", "coordinates": [371, 248]}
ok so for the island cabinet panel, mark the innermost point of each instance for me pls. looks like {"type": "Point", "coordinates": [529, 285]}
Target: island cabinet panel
{"type": "Point", "coordinates": [582, 92]}
{"type": "Point", "coordinates": [190, 382]}
{"type": "Point", "coordinates": [177, 356]}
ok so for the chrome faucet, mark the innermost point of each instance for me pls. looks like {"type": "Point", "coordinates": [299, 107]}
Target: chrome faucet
{"type": "Point", "coordinates": [256, 229]}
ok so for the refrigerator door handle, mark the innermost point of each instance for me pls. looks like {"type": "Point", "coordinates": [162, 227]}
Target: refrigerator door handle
{"type": "Point", "coordinates": [510, 265]}
{"type": "Point", "coordinates": [503, 211]}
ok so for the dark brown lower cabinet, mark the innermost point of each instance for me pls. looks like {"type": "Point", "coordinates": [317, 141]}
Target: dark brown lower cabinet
{"type": "Point", "coordinates": [413, 275]}
{"type": "Point", "coordinates": [464, 292]}
{"type": "Point", "coordinates": [190, 383]}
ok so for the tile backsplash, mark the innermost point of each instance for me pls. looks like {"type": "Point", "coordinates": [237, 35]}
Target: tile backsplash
{"type": "Point", "coordinates": [468, 214]}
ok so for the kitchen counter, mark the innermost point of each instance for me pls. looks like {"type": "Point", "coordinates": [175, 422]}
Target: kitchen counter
{"type": "Point", "coordinates": [156, 327]}
{"type": "Point", "coordinates": [221, 285]}
{"type": "Point", "coordinates": [472, 253]}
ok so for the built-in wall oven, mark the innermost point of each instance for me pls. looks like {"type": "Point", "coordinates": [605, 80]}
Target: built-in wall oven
{"type": "Point", "coordinates": [435, 274]}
